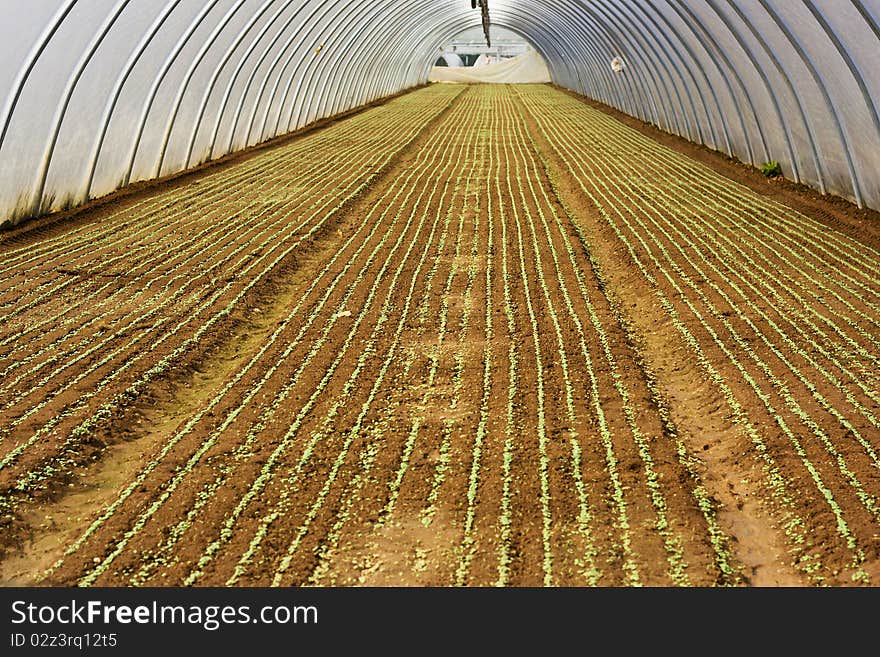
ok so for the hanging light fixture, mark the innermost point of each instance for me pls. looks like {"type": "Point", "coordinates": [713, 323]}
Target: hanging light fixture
{"type": "Point", "coordinates": [484, 12]}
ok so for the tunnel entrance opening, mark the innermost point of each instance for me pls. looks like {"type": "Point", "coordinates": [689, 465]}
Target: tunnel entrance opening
{"type": "Point", "coordinates": [506, 58]}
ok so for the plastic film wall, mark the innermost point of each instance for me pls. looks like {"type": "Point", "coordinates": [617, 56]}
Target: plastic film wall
{"type": "Point", "coordinates": [99, 93]}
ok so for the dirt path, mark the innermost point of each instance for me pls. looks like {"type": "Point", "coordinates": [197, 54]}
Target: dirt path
{"type": "Point", "coordinates": [477, 336]}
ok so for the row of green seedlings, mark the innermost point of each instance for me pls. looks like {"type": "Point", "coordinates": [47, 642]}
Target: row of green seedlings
{"type": "Point", "coordinates": [142, 272]}
{"type": "Point", "coordinates": [465, 210]}
{"type": "Point", "coordinates": [468, 546]}
{"type": "Point", "coordinates": [352, 495]}
{"type": "Point", "coordinates": [88, 425]}
{"type": "Point", "coordinates": [867, 500]}
{"type": "Point", "coordinates": [685, 247]}
{"type": "Point", "coordinates": [800, 242]}
{"type": "Point", "coordinates": [355, 430]}
{"type": "Point", "coordinates": [163, 299]}
{"type": "Point", "coordinates": [67, 249]}
{"type": "Point", "coordinates": [281, 507]}
{"type": "Point", "coordinates": [267, 234]}
{"type": "Point", "coordinates": [441, 470]}
{"type": "Point", "coordinates": [688, 246]}
{"type": "Point", "coordinates": [799, 260]}
{"type": "Point", "coordinates": [513, 212]}
{"type": "Point", "coordinates": [610, 198]}
{"type": "Point", "coordinates": [414, 110]}
{"type": "Point", "coordinates": [472, 462]}
{"type": "Point", "coordinates": [423, 201]}
{"type": "Point", "coordinates": [505, 519]}
{"type": "Point", "coordinates": [232, 226]}
{"type": "Point", "coordinates": [671, 541]}
{"type": "Point", "coordinates": [227, 227]}
{"type": "Point", "coordinates": [631, 576]}
{"type": "Point", "coordinates": [242, 451]}
{"type": "Point", "coordinates": [793, 524]}
{"type": "Point", "coordinates": [373, 224]}
{"type": "Point", "coordinates": [235, 227]}
{"type": "Point", "coordinates": [752, 271]}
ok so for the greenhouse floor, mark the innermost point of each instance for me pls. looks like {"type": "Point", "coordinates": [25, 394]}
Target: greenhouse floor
{"type": "Point", "coordinates": [476, 335]}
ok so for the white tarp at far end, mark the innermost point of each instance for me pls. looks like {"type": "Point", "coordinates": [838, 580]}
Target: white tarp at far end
{"type": "Point", "coordinates": [526, 68]}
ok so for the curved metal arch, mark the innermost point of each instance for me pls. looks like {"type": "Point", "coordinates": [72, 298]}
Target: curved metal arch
{"type": "Point", "coordinates": [449, 29]}
{"type": "Point", "coordinates": [703, 35]}
{"type": "Point", "coordinates": [657, 62]}
{"type": "Point", "coordinates": [450, 25]}
{"type": "Point", "coordinates": [784, 75]}
{"type": "Point", "coordinates": [340, 99]}
{"type": "Point", "coordinates": [359, 10]}
{"type": "Point", "coordinates": [328, 44]}
{"type": "Point", "coordinates": [295, 72]}
{"type": "Point", "coordinates": [154, 88]}
{"type": "Point", "coordinates": [355, 12]}
{"type": "Point", "coordinates": [639, 94]}
{"type": "Point", "coordinates": [376, 86]}
{"type": "Point", "coordinates": [680, 77]}
{"type": "Point", "coordinates": [608, 87]}
{"type": "Point", "coordinates": [693, 57]}
{"type": "Point", "coordinates": [544, 37]}
{"type": "Point", "coordinates": [392, 79]}
{"type": "Point", "coordinates": [66, 96]}
{"type": "Point", "coordinates": [690, 61]}
{"type": "Point", "coordinates": [230, 50]}
{"type": "Point", "coordinates": [640, 80]}
{"type": "Point", "coordinates": [270, 104]}
{"type": "Point", "coordinates": [853, 66]}
{"type": "Point", "coordinates": [31, 60]}
{"type": "Point", "coordinates": [768, 87]}
{"type": "Point", "coordinates": [127, 69]}
{"type": "Point", "coordinates": [581, 58]}
{"type": "Point", "coordinates": [324, 9]}
{"type": "Point", "coordinates": [872, 22]}
{"type": "Point", "coordinates": [419, 44]}
{"type": "Point", "coordinates": [637, 84]}
{"type": "Point", "coordinates": [197, 60]}
{"type": "Point", "coordinates": [667, 61]}
{"type": "Point", "coordinates": [820, 81]}
{"type": "Point", "coordinates": [375, 27]}
{"type": "Point", "coordinates": [383, 83]}
{"type": "Point", "coordinates": [416, 69]}
{"type": "Point", "coordinates": [665, 64]}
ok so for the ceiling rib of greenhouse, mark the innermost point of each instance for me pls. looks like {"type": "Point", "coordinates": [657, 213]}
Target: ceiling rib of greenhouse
{"type": "Point", "coordinates": [107, 92]}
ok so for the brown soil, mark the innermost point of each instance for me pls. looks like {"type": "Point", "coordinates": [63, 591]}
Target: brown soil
{"type": "Point", "coordinates": [836, 212]}
{"type": "Point", "coordinates": [437, 356]}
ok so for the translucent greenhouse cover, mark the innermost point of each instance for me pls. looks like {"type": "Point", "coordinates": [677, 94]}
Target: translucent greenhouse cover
{"type": "Point", "coordinates": [99, 93]}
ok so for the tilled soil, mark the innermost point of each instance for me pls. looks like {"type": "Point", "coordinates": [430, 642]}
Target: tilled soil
{"type": "Point", "coordinates": [478, 336]}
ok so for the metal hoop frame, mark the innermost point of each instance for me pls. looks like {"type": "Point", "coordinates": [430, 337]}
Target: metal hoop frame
{"type": "Point", "coordinates": [264, 67]}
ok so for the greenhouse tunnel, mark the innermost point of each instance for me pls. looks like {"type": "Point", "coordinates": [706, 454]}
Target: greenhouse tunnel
{"type": "Point", "coordinates": [138, 89]}
{"type": "Point", "coordinates": [439, 293]}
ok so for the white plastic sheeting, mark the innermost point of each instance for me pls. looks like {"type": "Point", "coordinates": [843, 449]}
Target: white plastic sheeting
{"type": "Point", "coordinates": [526, 68]}
{"type": "Point", "coordinates": [98, 93]}
{"type": "Point", "coordinates": [451, 59]}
